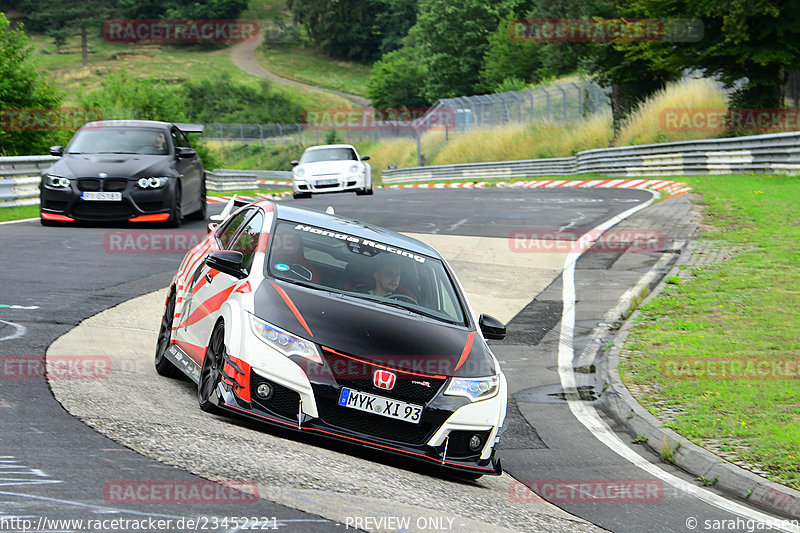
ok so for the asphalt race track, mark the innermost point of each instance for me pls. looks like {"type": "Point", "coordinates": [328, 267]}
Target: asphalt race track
{"type": "Point", "coordinates": [134, 426]}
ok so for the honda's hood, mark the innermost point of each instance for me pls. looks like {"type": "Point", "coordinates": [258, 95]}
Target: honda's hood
{"type": "Point", "coordinates": [114, 165]}
{"type": "Point", "coordinates": [374, 332]}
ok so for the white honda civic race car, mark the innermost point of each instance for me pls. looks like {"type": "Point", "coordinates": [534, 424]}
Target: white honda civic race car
{"type": "Point", "coordinates": [322, 324]}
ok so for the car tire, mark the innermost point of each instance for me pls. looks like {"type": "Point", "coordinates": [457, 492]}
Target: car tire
{"type": "Point", "coordinates": [211, 372]}
{"type": "Point", "coordinates": [175, 213]}
{"type": "Point", "coordinates": [163, 365]}
{"type": "Point", "coordinates": [201, 213]}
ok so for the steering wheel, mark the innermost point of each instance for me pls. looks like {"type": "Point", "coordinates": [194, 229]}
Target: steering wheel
{"type": "Point", "coordinates": [402, 298]}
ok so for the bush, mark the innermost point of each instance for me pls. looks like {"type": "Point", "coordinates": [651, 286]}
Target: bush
{"type": "Point", "coordinates": [221, 100]}
{"type": "Point", "coordinates": [397, 80]}
{"type": "Point", "coordinates": [122, 96]}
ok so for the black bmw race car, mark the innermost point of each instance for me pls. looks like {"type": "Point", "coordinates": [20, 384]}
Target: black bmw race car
{"type": "Point", "coordinates": [125, 170]}
{"type": "Point", "coordinates": [325, 325]}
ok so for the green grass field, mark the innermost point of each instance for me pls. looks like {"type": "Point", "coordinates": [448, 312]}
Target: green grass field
{"type": "Point", "coordinates": [18, 213]}
{"type": "Point", "coordinates": [746, 309]}
{"type": "Point", "coordinates": [174, 64]}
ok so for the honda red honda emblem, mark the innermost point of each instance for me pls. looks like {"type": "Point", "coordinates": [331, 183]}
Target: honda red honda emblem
{"type": "Point", "coordinates": [383, 379]}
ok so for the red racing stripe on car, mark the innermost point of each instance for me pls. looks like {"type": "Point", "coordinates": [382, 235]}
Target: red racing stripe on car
{"type": "Point", "coordinates": [340, 354]}
{"type": "Point", "coordinates": [203, 281]}
{"type": "Point", "coordinates": [209, 306]}
{"type": "Point", "coordinates": [244, 288]}
{"type": "Point", "coordinates": [292, 307]}
{"type": "Point", "coordinates": [195, 352]}
{"type": "Point", "coordinates": [467, 349]}
{"type": "Point", "coordinates": [56, 217]}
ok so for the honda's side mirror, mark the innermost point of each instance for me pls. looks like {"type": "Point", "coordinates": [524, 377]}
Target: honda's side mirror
{"type": "Point", "coordinates": [492, 328]}
{"type": "Point", "coordinates": [227, 261]}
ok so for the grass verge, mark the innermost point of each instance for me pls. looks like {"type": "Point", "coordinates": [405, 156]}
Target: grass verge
{"type": "Point", "coordinates": [18, 213]}
{"type": "Point", "coordinates": [743, 309]}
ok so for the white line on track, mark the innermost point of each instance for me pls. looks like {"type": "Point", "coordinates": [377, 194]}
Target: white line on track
{"type": "Point", "coordinates": [20, 331]}
{"type": "Point", "coordinates": [18, 221]}
{"type": "Point", "coordinates": [587, 415]}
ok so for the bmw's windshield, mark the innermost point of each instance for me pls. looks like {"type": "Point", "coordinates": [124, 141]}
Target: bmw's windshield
{"type": "Point", "coordinates": [111, 140]}
{"type": "Point", "coordinates": [365, 269]}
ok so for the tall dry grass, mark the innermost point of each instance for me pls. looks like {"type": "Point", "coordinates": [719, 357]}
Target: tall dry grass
{"type": "Point", "coordinates": [646, 124]}
{"type": "Point", "coordinates": [526, 141]}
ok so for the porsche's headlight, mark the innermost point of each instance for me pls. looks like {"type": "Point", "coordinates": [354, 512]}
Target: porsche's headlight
{"type": "Point", "coordinates": [152, 183]}
{"type": "Point", "coordinates": [57, 181]}
{"type": "Point", "coordinates": [299, 172]}
{"type": "Point", "coordinates": [355, 169]}
{"type": "Point", "coordinates": [283, 341]}
{"type": "Point", "coordinates": [475, 389]}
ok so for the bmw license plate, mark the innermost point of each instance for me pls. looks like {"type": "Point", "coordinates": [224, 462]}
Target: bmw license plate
{"type": "Point", "coordinates": [326, 182]}
{"type": "Point", "coordinates": [102, 196]}
{"type": "Point", "coordinates": [364, 401]}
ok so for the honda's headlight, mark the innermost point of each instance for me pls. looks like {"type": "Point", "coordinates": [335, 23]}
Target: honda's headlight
{"type": "Point", "coordinates": [475, 389]}
{"type": "Point", "coordinates": [57, 181]}
{"type": "Point", "coordinates": [283, 341]}
{"type": "Point", "coordinates": [152, 183]}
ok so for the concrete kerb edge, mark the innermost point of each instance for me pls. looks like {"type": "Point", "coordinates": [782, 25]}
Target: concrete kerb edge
{"type": "Point", "coordinates": [619, 403]}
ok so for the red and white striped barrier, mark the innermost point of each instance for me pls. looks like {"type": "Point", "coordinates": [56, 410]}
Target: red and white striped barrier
{"type": "Point", "coordinates": [672, 187]}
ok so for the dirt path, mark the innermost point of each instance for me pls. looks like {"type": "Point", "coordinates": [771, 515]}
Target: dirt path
{"type": "Point", "coordinates": [243, 56]}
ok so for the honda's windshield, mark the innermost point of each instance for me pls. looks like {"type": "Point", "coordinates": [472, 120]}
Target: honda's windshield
{"type": "Point", "coordinates": [365, 269]}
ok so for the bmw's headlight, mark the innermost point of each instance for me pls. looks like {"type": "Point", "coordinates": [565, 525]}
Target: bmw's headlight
{"type": "Point", "coordinates": [475, 389]}
{"type": "Point", "coordinates": [299, 172]}
{"type": "Point", "coordinates": [152, 183]}
{"type": "Point", "coordinates": [57, 181]}
{"type": "Point", "coordinates": [283, 341]}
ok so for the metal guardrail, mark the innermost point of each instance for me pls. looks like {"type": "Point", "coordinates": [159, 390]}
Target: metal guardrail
{"type": "Point", "coordinates": [778, 152]}
{"type": "Point", "coordinates": [19, 179]}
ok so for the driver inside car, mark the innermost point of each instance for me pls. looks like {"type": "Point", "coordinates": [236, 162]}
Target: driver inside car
{"type": "Point", "coordinates": [387, 278]}
{"type": "Point", "coordinates": [287, 254]}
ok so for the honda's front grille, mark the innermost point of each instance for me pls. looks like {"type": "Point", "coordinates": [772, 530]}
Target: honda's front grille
{"type": "Point", "coordinates": [357, 374]}
{"type": "Point", "coordinates": [378, 426]}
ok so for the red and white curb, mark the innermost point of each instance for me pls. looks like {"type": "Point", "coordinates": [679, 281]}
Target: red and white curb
{"type": "Point", "coordinates": [223, 199]}
{"type": "Point", "coordinates": [275, 182]}
{"type": "Point", "coordinates": [672, 187]}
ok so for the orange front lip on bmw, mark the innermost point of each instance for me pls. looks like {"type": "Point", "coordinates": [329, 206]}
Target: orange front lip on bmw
{"type": "Point", "coordinates": [56, 217]}
{"type": "Point", "coordinates": [160, 217]}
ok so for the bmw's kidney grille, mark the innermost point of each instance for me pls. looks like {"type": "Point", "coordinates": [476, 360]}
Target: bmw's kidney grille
{"type": "Point", "coordinates": [88, 184]}
{"type": "Point", "coordinates": [115, 185]}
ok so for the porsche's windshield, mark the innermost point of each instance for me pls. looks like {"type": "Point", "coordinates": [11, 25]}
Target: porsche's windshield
{"type": "Point", "coordinates": [328, 154]}
{"type": "Point", "coordinates": [111, 140]}
{"type": "Point", "coordinates": [365, 269]}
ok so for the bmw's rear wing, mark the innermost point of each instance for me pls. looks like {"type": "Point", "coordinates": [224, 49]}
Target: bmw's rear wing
{"type": "Point", "coordinates": [190, 128]}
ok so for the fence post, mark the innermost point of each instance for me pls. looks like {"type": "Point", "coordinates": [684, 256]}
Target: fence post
{"type": "Point", "coordinates": [261, 135]}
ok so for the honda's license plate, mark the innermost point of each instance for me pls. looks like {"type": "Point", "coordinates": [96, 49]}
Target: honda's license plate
{"type": "Point", "coordinates": [370, 403]}
{"type": "Point", "coordinates": [102, 196]}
